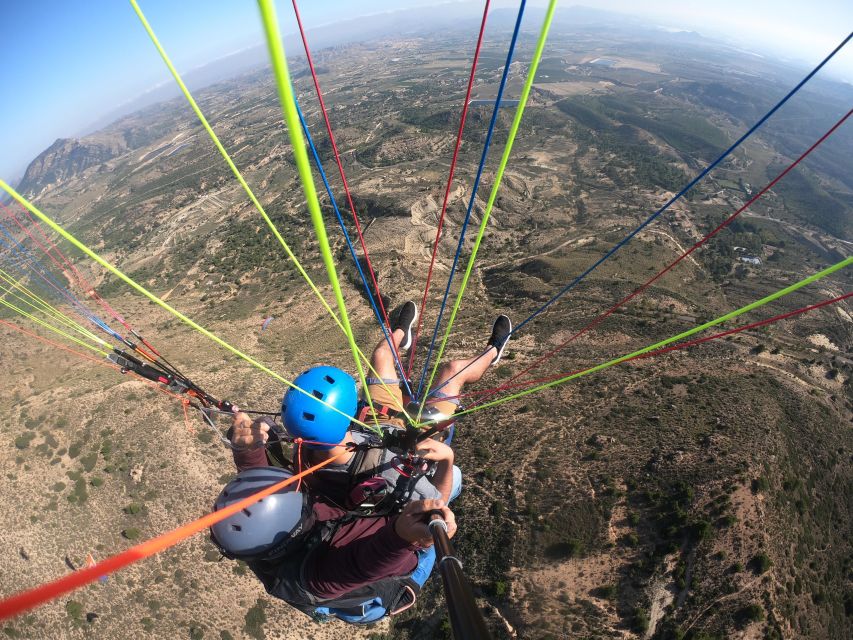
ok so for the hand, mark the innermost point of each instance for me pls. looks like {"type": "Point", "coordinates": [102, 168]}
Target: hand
{"type": "Point", "coordinates": [434, 450]}
{"type": "Point", "coordinates": [248, 434]}
{"type": "Point", "coordinates": [411, 524]}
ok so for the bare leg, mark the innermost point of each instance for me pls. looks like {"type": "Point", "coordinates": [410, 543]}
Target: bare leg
{"type": "Point", "coordinates": [454, 375]}
{"type": "Point", "coordinates": [383, 358]}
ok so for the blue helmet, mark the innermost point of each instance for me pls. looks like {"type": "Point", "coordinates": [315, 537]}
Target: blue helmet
{"type": "Point", "coordinates": [267, 528]}
{"type": "Point", "coordinates": [304, 417]}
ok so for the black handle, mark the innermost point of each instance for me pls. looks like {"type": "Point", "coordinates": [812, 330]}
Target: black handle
{"type": "Point", "coordinates": [466, 620]}
{"type": "Point", "coordinates": [128, 363]}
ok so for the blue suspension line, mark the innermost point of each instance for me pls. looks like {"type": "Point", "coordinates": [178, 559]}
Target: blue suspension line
{"type": "Point", "coordinates": [34, 265]}
{"type": "Point", "coordinates": [352, 248]}
{"type": "Point", "coordinates": [671, 201]}
{"type": "Point", "coordinates": [678, 195]}
{"type": "Point", "coordinates": [39, 269]}
{"type": "Point", "coordinates": [473, 193]}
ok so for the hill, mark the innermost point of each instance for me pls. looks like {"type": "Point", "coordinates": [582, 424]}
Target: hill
{"type": "Point", "coordinates": [701, 494]}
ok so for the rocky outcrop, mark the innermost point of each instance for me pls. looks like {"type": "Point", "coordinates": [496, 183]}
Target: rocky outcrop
{"type": "Point", "coordinates": [67, 158]}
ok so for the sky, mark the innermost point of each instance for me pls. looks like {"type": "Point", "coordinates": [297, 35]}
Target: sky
{"type": "Point", "coordinates": [65, 65]}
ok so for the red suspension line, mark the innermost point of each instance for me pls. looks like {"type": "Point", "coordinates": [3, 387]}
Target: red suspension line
{"type": "Point", "coordinates": [342, 173]}
{"type": "Point", "coordinates": [649, 282]}
{"type": "Point", "coordinates": [508, 386]}
{"type": "Point", "coordinates": [86, 287]}
{"type": "Point", "coordinates": [86, 356]}
{"type": "Point", "coordinates": [14, 219]}
{"type": "Point", "coordinates": [447, 188]}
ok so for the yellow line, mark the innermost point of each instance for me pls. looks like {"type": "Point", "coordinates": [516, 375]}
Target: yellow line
{"type": "Point", "coordinates": [47, 308]}
{"type": "Point", "coordinates": [288, 107]}
{"type": "Point", "coordinates": [138, 287]}
{"type": "Point", "coordinates": [41, 322]}
{"type": "Point", "coordinates": [237, 174]}
{"type": "Point", "coordinates": [231, 164]}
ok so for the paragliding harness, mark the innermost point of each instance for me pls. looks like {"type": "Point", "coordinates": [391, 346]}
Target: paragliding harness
{"type": "Point", "coordinates": [370, 496]}
{"type": "Point", "coordinates": [283, 576]}
{"type": "Point", "coordinates": [368, 492]}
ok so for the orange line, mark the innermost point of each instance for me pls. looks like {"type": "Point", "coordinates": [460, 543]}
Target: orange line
{"type": "Point", "coordinates": [99, 361]}
{"type": "Point", "coordinates": [39, 595]}
{"type": "Point", "coordinates": [58, 345]}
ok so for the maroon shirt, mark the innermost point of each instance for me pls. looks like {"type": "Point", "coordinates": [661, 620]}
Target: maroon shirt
{"type": "Point", "coordinates": [360, 553]}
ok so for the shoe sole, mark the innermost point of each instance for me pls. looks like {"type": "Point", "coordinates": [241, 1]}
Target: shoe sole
{"type": "Point", "coordinates": [408, 332]}
{"type": "Point", "coordinates": [497, 358]}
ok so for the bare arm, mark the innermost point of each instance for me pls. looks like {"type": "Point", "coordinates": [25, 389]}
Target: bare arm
{"type": "Point", "coordinates": [442, 454]}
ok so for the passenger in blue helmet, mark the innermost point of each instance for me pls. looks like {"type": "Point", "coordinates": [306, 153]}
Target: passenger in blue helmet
{"type": "Point", "coordinates": [321, 409]}
{"type": "Point", "coordinates": [321, 414]}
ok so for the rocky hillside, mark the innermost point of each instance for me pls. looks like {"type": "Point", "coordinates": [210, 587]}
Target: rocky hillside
{"type": "Point", "coordinates": [700, 495]}
{"type": "Point", "coordinates": [68, 158]}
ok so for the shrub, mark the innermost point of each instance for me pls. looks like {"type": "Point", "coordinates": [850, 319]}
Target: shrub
{"type": "Point", "coordinates": [74, 610]}
{"type": "Point", "coordinates": [701, 529]}
{"type": "Point", "coordinates": [606, 592]}
{"type": "Point", "coordinates": [568, 549]}
{"type": "Point", "coordinates": [79, 495]}
{"type": "Point", "coordinates": [88, 461]}
{"type": "Point", "coordinates": [640, 621]}
{"type": "Point", "coordinates": [630, 540]}
{"type": "Point", "coordinates": [255, 619]}
{"type": "Point", "coordinates": [131, 533]}
{"type": "Point", "coordinates": [726, 521]}
{"type": "Point", "coordinates": [500, 588]}
{"type": "Point", "coordinates": [760, 563]}
{"type": "Point", "coordinates": [760, 484]}
{"type": "Point", "coordinates": [749, 613]}
{"type": "Point", "coordinates": [23, 441]}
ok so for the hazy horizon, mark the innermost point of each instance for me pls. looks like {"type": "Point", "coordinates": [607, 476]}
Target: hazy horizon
{"type": "Point", "coordinates": [70, 94]}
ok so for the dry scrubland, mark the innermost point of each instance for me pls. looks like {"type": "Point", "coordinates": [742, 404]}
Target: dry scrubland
{"type": "Point", "coordinates": [703, 494]}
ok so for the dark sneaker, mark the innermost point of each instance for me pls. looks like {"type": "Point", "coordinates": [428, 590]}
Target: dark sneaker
{"type": "Point", "coordinates": [405, 320]}
{"type": "Point", "coordinates": [500, 336]}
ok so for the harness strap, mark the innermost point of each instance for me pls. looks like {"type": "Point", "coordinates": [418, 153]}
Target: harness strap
{"type": "Point", "coordinates": [379, 411]}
